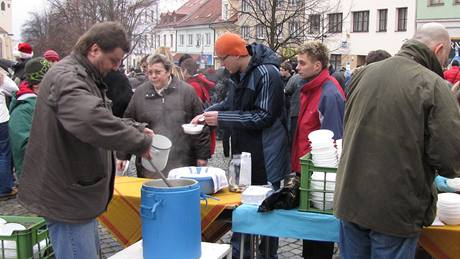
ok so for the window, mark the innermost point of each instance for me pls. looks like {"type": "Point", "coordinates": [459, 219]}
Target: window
{"type": "Point", "coordinates": [208, 39]}
{"type": "Point", "coordinates": [260, 31]}
{"type": "Point", "coordinates": [336, 61]}
{"type": "Point", "coordinates": [279, 3]}
{"type": "Point", "coordinates": [315, 23]}
{"type": "Point", "coordinates": [171, 38]}
{"type": "Point", "coordinates": [292, 2]}
{"type": "Point", "coordinates": [158, 39]}
{"type": "Point", "coordinates": [164, 40]}
{"type": "Point", "coordinates": [335, 22]}
{"type": "Point", "coordinates": [152, 40]}
{"type": "Point", "coordinates": [437, 2]}
{"type": "Point", "coordinates": [262, 4]}
{"type": "Point", "coordinates": [361, 21]}
{"type": "Point", "coordinates": [198, 40]}
{"type": "Point", "coordinates": [225, 12]}
{"type": "Point", "coordinates": [382, 23]}
{"type": "Point", "coordinates": [279, 31]}
{"type": "Point", "coordinates": [294, 29]}
{"type": "Point", "coordinates": [181, 39]}
{"type": "Point", "coordinates": [3, 6]}
{"type": "Point", "coordinates": [190, 40]}
{"type": "Point", "coordinates": [245, 33]}
{"type": "Point", "coordinates": [245, 6]}
{"type": "Point", "coordinates": [402, 18]}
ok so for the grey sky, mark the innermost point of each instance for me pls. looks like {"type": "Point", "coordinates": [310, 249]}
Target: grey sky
{"type": "Point", "coordinates": [21, 9]}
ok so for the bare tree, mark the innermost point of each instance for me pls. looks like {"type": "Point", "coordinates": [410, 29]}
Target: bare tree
{"type": "Point", "coordinates": [65, 21]}
{"type": "Point", "coordinates": [284, 24]}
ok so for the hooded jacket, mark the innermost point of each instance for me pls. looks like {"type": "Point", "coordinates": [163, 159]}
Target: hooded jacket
{"type": "Point", "coordinates": [401, 129]}
{"type": "Point", "coordinates": [254, 111]}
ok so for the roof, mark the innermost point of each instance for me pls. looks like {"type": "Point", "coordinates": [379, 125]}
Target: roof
{"type": "Point", "coordinates": [209, 12]}
{"type": "Point", "coordinates": [190, 6]}
{"type": "Point", "coordinates": [2, 31]}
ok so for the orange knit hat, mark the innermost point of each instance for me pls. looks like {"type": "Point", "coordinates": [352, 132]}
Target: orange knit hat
{"type": "Point", "coordinates": [230, 44]}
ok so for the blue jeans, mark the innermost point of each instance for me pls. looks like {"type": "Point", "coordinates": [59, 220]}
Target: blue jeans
{"type": "Point", "coordinates": [360, 243]}
{"type": "Point", "coordinates": [6, 175]}
{"type": "Point", "coordinates": [74, 241]}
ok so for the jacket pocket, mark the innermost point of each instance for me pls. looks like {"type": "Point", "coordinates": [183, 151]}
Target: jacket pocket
{"type": "Point", "coordinates": [87, 183]}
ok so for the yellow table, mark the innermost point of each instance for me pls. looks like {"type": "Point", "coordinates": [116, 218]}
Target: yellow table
{"type": "Point", "coordinates": [123, 219]}
{"type": "Point", "coordinates": [441, 242]}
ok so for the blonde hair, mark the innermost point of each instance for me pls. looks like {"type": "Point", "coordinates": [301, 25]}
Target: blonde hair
{"type": "Point", "coordinates": [316, 50]}
{"type": "Point", "coordinates": [175, 70]}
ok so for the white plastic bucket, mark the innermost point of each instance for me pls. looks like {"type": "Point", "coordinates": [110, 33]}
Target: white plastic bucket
{"type": "Point", "coordinates": [161, 146]}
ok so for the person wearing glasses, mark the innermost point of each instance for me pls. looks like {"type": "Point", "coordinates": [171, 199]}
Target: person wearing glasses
{"type": "Point", "coordinates": [254, 112]}
{"type": "Point", "coordinates": [165, 103]}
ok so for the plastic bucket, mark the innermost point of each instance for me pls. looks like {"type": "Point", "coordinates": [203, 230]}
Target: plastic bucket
{"type": "Point", "coordinates": [160, 153]}
{"type": "Point", "coordinates": [171, 225]}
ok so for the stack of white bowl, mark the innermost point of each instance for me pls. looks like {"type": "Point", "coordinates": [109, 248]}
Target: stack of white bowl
{"type": "Point", "coordinates": [454, 184]}
{"type": "Point", "coordinates": [317, 183]}
{"type": "Point", "coordinates": [449, 208]}
{"type": "Point", "coordinates": [323, 151]}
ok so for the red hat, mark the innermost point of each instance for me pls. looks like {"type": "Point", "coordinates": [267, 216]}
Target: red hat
{"type": "Point", "coordinates": [230, 44]}
{"type": "Point", "coordinates": [24, 51]}
{"type": "Point", "coordinates": [51, 55]}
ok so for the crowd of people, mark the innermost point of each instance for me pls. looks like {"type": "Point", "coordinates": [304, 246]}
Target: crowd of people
{"type": "Point", "coordinates": [67, 125]}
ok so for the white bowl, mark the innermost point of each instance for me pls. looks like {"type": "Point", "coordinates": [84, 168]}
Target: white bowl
{"type": "Point", "coordinates": [319, 204]}
{"type": "Point", "coordinates": [192, 129]}
{"type": "Point", "coordinates": [454, 183]}
{"type": "Point", "coordinates": [320, 135]}
{"type": "Point", "coordinates": [449, 220]}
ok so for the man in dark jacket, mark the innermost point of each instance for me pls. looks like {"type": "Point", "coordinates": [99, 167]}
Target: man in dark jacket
{"type": "Point", "coordinates": [253, 110]}
{"type": "Point", "coordinates": [68, 173]}
{"type": "Point", "coordinates": [401, 130]}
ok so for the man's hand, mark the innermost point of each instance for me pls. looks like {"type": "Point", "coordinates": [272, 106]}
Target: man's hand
{"type": "Point", "coordinates": [201, 162]}
{"type": "Point", "coordinates": [198, 119]}
{"type": "Point", "coordinates": [211, 118]}
{"type": "Point", "coordinates": [121, 165]}
{"type": "Point", "coordinates": [148, 132]}
{"type": "Point", "coordinates": [147, 155]}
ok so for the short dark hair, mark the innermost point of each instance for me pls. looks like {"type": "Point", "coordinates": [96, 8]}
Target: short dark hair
{"type": "Point", "coordinates": [377, 55]}
{"type": "Point", "coordinates": [190, 66]}
{"type": "Point", "coordinates": [107, 35]}
{"type": "Point", "coordinates": [455, 63]}
{"type": "Point", "coordinates": [160, 58]}
{"type": "Point", "coordinates": [286, 65]}
{"type": "Point", "coordinates": [316, 50]}
{"type": "Point", "coordinates": [183, 58]}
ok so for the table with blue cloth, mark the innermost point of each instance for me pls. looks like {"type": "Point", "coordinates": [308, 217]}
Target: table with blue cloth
{"type": "Point", "coordinates": [283, 223]}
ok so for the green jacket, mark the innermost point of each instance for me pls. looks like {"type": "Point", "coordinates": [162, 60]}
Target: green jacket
{"type": "Point", "coordinates": [402, 127]}
{"type": "Point", "coordinates": [19, 125]}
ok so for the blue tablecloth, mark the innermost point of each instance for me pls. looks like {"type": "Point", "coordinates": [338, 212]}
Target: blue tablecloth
{"type": "Point", "coordinates": [285, 223]}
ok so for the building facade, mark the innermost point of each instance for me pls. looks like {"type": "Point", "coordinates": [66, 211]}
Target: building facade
{"type": "Point", "coordinates": [446, 12]}
{"type": "Point", "coordinates": [367, 25]}
{"type": "Point", "coordinates": [6, 29]}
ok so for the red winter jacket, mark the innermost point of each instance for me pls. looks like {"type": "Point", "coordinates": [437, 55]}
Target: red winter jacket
{"type": "Point", "coordinates": [322, 105]}
{"type": "Point", "coordinates": [202, 86]}
{"type": "Point", "coordinates": [452, 75]}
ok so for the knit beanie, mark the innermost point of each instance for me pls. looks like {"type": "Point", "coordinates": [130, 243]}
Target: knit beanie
{"type": "Point", "coordinates": [23, 51]}
{"type": "Point", "coordinates": [36, 69]}
{"type": "Point", "coordinates": [51, 55]}
{"type": "Point", "coordinates": [230, 44]}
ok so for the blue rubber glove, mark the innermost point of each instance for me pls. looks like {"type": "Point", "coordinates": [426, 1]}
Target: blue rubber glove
{"type": "Point", "coordinates": [441, 184]}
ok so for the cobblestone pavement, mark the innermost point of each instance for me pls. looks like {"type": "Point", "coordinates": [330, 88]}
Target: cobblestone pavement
{"type": "Point", "coordinates": [288, 248]}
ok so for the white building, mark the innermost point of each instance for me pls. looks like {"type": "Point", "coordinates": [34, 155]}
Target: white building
{"type": "Point", "coordinates": [6, 29]}
{"type": "Point", "coordinates": [368, 25]}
